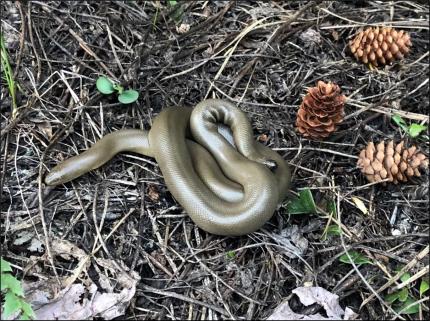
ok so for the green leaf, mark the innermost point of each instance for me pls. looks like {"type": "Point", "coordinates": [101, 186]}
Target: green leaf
{"type": "Point", "coordinates": [403, 295]}
{"type": "Point", "coordinates": [400, 122]}
{"type": "Point", "coordinates": [424, 286]}
{"type": "Point", "coordinates": [405, 277]}
{"type": "Point", "coordinates": [334, 230]}
{"type": "Point", "coordinates": [416, 129]}
{"type": "Point", "coordinates": [178, 11]}
{"type": "Point", "coordinates": [411, 310]}
{"type": "Point", "coordinates": [332, 208]}
{"type": "Point", "coordinates": [27, 311]}
{"type": "Point", "coordinates": [303, 204]}
{"type": "Point", "coordinates": [8, 281]}
{"type": "Point", "coordinates": [5, 266]}
{"type": "Point", "coordinates": [356, 257]}
{"type": "Point", "coordinates": [11, 305]}
{"type": "Point", "coordinates": [128, 96]}
{"type": "Point", "coordinates": [230, 254]}
{"type": "Point", "coordinates": [390, 298]}
{"type": "Point", "coordinates": [104, 85]}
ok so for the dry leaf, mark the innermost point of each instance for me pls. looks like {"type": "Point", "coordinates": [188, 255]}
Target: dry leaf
{"type": "Point", "coordinates": [263, 138]}
{"type": "Point", "coordinates": [360, 205]}
{"type": "Point", "coordinates": [153, 193]}
{"type": "Point", "coordinates": [46, 128]}
{"type": "Point", "coordinates": [335, 35]}
{"type": "Point", "coordinates": [78, 301]}
{"type": "Point", "coordinates": [183, 28]}
{"type": "Point", "coordinates": [84, 299]}
{"type": "Point", "coordinates": [309, 296]}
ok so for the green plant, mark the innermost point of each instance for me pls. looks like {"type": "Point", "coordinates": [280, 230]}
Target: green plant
{"type": "Point", "coordinates": [412, 130]}
{"type": "Point", "coordinates": [8, 75]}
{"type": "Point", "coordinates": [303, 204]}
{"type": "Point", "coordinates": [107, 86]}
{"type": "Point", "coordinates": [177, 10]}
{"type": "Point", "coordinates": [333, 229]}
{"type": "Point", "coordinates": [403, 301]}
{"type": "Point", "coordinates": [356, 257]}
{"type": "Point", "coordinates": [230, 254]}
{"type": "Point", "coordinates": [14, 295]}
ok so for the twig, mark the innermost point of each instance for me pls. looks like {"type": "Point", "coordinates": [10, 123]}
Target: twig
{"type": "Point", "coordinates": [414, 277]}
{"type": "Point", "coordinates": [81, 41]}
{"type": "Point", "coordinates": [272, 39]}
{"type": "Point", "coordinates": [21, 39]}
{"type": "Point", "coordinates": [324, 150]}
{"type": "Point", "coordinates": [406, 268]}
{"type": "Point", "coordinates": [33, 45]}
{"type": "Point", "coordinates": [178, 296]}
{"type": "Point", "coordinates": [386, 111]}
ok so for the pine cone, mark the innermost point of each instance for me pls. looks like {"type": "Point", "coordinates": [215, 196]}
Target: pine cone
{"type": "Point", "coordinates": [320, 111]}
{"type": "Point", "coordinates": [380, 45]}
{"type": "Point", "coordinates": [395, 162]}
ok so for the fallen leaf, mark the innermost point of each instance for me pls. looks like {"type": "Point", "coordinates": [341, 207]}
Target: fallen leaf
{"type": "Point", "coordinates": [78, 301]}
{"type": "Point", "coordinates": [263, 138]}
{"type": "Point", "coordinates": [46, 128]}
{"type": "Point", "coordinates": [360, 205]}
{"type": "Point", "coordinates": [335, 35]}
{"type": "Point", "coordinates": [183, 28]}
{"type": "Point", "coordinates": [153, 193]}
{"type": "Point", "coordinates": [309, 296]}
{"type": "Point", "coordinates": [36, 245]}
{"type": "Point", "coordinates": [77, 297]}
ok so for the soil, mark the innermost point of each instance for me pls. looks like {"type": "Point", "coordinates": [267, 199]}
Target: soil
{"type": "Point", "coordinates": [260, 55]}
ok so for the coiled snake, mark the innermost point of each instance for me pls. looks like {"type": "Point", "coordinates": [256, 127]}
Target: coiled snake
{"type": "Point", "coordinates": [228, 183]}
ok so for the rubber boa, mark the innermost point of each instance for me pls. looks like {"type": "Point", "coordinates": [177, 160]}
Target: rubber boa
{"type": "Point", "coordinates": [227, 182]}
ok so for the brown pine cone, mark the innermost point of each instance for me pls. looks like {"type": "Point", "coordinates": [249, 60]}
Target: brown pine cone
{"type": "Point", "coordinates": [380, 45]}
{"type": "Point", "coordinates": [320, 111]}
{"type": "Point", "coordinates": [395, 162]}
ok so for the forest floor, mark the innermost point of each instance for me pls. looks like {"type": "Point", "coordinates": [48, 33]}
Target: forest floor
{"type": "Point", "coordinates": [120, 220]}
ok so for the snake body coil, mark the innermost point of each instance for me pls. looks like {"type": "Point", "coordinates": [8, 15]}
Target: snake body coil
{"type": "Point", "coordinates": [220, 177]}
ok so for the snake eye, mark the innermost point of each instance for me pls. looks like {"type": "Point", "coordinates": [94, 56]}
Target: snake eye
{"type": "Point", "coordinates": [271, 164]}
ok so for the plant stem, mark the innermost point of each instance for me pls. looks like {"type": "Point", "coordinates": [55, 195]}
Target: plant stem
{"type": "Point", "coordinates": [8, 74]}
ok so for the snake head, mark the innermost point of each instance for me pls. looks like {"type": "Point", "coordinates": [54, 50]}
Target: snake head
{"type": "Point", "coordinates": [269, 163]}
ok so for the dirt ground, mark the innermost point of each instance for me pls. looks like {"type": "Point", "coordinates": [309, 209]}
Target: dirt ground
{"type": "Point", "coordinates": [260, 55]}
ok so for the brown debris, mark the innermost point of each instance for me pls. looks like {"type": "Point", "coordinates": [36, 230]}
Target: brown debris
{"type": "Point", "coordinates": [389, 161]}
{"type": "Point", "coordinates": [380, 46]}
{"type": "Point", "coordinates": [320, 111]}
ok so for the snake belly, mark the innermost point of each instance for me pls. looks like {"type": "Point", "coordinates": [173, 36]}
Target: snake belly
{"type": "Point", "coordinates": [228, 183]}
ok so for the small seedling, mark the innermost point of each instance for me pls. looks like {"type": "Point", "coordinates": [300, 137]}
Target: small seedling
{"type": "Point", "coordinates": [413, 130]}
{"type": "Point", "coordinates": [304, 204]}
{"type": "Point", "coordinates": [333, 229]}
{"type": "Point", "coordinates": [107, 86]}
{"type": "Point", "coordinates": [402, 300]}
{"type": "Point", "coordinates": [14, 294]}
{"type": "Point", "coordinates": [177, 10]}
{"type": "Point", "coordinates": [230, 254]}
